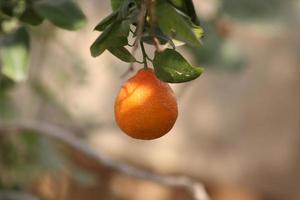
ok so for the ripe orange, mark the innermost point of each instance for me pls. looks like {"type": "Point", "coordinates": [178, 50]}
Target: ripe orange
{"type": "Point", "coordinates": [146, 108]}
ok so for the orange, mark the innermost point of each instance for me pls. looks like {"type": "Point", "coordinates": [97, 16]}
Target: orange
{"type": "Point", "coordinates": [146, 108]}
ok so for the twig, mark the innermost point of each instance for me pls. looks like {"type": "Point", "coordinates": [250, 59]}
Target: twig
{"type": "Point", "coordinates": [197, 189]}
{"type": "Point", "coordinates": [138, 32]}
{"type": "Point", "coordinates": [144, 55]}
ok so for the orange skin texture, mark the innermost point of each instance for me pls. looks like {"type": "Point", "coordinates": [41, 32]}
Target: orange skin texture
{"type": "Point", "coordinates": [146, 108]}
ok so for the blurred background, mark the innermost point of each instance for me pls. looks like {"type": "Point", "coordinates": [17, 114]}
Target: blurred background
{"type": "Point", "coordinates": [238, 129]}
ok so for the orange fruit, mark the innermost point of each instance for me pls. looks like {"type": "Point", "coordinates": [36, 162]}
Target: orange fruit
{"type": "Point", "coordinates": [146, 108]}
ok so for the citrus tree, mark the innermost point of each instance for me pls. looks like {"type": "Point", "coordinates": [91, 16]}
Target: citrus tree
{"type": "Point", "coordinates": [164, 24]}
{"type": "Point", "coordinates": [131, 25]}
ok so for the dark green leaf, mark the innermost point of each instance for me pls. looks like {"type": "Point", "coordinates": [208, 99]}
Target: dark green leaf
{"type": "Point", "coordinates": [63, 13]}
{"type": "Point", "coordinates": [122, 53]}
{"type": "Point", "coordinates": [31, 17]}
{"type": "Point", "coordinates": [148, 36]}
{"type": "Point", "coordinates": [128, 9]}
{"type": "Point", "coordinates": [14, 55]}
{"type": "Point", "coordinates": [170, 66]}
{"type": "Point", "coordinates": [107, 21]}
{"type": "Point", "coordinates": [7, 106]}
{"type": "Point", "coordinates": [187, 7]}
{"type": "Point", "coordinates": [114, 36]}
{"type": "Point", "coordinates": [178, 26]}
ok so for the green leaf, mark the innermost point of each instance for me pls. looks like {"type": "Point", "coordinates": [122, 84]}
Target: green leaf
{"type": "Point", "coordinates": [128, 8]}
{"type": "Point", "coordinates": [122, 53]}
{"type": "Point", "coordinates": [107, 21]}
{"type": "Point", "coordinates": [115, 4]}
{"type": "Point", "coordinates": [178, 26]}
{"type": "Point", "coordinates": [63, 13]}
{"type": "Point", "coordinates": [7, 106]}
{"type": "Point", "coordinates": [170, 66]}
{"type": "Point", "coordinates": [114, 36]}
{"type": "Point", "coordinates": [14, 55]}
{"type": "Point", "coordinates": [31, 17]}
{"type": "Point", "coordinates": [187, 7]}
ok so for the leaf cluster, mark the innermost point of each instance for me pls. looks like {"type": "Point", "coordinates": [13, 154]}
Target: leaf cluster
{"type": "Point", "coordinates": [17, 15]}
{"type": "Point", "coordinates": [167, 23]}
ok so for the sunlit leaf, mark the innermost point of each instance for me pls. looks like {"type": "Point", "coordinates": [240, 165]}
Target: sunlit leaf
{"type": "Point", "coordinates": [178, 27]}
{"type": "Point", "coordinates": [170, 66]}
{"type": "Point", "coordinates": [14, 55]}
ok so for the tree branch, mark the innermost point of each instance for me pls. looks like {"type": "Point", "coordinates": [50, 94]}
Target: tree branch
{"type": "Point", "coordinates": [55, 132]}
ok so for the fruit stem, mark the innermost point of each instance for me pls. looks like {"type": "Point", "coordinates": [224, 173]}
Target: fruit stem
{"type": "Point", "coordinates": [144, 55]}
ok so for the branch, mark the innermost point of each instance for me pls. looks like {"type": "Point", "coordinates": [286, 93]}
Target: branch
{"type": "Point", "coordinates": [197, 189]}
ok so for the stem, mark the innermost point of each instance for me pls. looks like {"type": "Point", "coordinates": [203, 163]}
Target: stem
{"type": "Point", "coordinates": [148, 58]}
{"type": "Point", "coordinates": [144, 55]}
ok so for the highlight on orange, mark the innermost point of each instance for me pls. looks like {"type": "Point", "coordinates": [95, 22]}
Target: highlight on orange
{"type": "Point", "coordinates": [146, 107]}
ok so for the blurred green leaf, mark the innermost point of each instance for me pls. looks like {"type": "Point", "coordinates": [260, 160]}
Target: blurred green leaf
{"type": "Point", "coordinates": [218, 52]}
{"type": "Point", "coordinates": [12, 7]}
{"type": "Point", "coordinates": [5, 83]}
{"type": "Point", "coordinates": [7, 106]}
{"type": "Point", "coordinates": [122, 53]}
{"type": "Point", "coordinates": [63, 13]}
{"type": "Point", "coordinates": [115, 4]}
{"type": "Point", "coordinates": [14, 55]}
{"type": "Point", "coordinates": [245, 9]}
{"type": "Point", "coordinates": [31, 17]}
{"type": "Point", "coordinates": [179, 26]}
{"type": "Point", "coordinates": [170, 66]}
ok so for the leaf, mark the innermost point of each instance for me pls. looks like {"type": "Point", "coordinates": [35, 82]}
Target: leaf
{"type": "Point", "coordinates": [63, 13]}
{"type": "Point", "coordinates": [115, 4]}
{"type": "Point", "coordinates": [179, 25]}
{"type": "Point", "coordinates": [114, 36]}
{"type": "Point", "coordinates": [7, 106]}
{"type": "Point", "coordinates": [170, 66]}
{"type": "Point", "coordinates": [122, 53]}
{"type": "Point", "coordinates": [31, 17]}
{"type": "Point", "coordinates": [187, 7]}
{"type": "Point", "coordinates": [14, 55]}
{"type": "Point", "coordinates": [107, 21]}
{"type": "Point", "coordinates": [148, 35]}
{"type": "Point", "coordinates": [128, 8]}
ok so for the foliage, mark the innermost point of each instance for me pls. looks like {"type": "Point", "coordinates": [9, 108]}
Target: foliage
{"type": "Point", "coordinates": [147, 22]}
{"type": "Point", "coordinates": [16, 17]}
{"type": "Point", "coordinates": [23, 156]}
